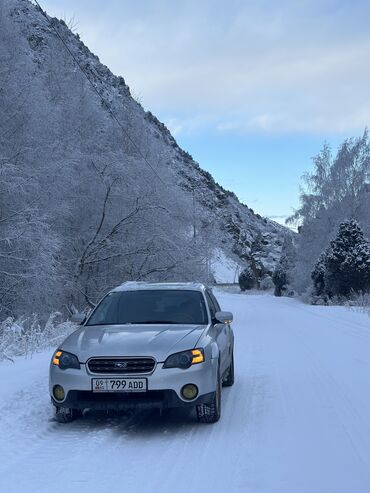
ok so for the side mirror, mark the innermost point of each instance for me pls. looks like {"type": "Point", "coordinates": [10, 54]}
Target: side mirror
{"type": "Point", "coordinates": [78, 318]}
{"type": "Point", "coordinates": [224, 317]}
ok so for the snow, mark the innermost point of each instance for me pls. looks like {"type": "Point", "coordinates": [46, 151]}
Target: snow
{"type": "Point", "coordinates": [296, 420]}
{"type": "Point", "coordinates": [224, 269]}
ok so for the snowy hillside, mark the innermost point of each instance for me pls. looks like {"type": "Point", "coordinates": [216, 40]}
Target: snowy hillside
{"type": "Point", "coordinates": [243, 234]}
{"type": "Point", "coordinates": [296, 420]}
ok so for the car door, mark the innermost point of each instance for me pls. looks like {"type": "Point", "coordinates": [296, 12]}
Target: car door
{"type": "Point", "coordinates": [220, 332]}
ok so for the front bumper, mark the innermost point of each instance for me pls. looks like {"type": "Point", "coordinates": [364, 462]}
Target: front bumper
{"type": "Point", "coordinates": [164, 386]}
{"type": "Point", "coordinates": [162, 399]}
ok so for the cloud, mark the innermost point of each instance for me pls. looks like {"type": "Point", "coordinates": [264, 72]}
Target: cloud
{"type": "Point", "coordinates": [186, 125]}
{"type": "Point", "coordinates": [242, 66]}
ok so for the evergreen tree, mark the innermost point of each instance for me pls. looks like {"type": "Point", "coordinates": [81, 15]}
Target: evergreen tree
{"type": "Point", "coordinates": [345, 265]}
{"type": "Point", "coordinates": [318, 275]}
{"type": "Point", "coordinates": [280, 276]}
{"type": "Point", "coordinates": [247, 279]}
{"type": "Point", "coordinates": [337, 188]}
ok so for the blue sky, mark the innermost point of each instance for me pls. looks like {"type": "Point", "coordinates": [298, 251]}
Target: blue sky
{"type": "Point", "coordinates": [252, 89]}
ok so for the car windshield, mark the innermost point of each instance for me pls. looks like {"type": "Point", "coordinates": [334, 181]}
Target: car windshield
{"type": "Point", "coordinates": [151, 307]}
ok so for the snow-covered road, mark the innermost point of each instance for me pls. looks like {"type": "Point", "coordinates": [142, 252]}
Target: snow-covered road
{"type": "Point", "coordinates": [296, 421]}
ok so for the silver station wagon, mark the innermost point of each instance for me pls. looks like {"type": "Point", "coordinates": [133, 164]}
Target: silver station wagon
{"type": "Point", "coordinates": [146, 345]}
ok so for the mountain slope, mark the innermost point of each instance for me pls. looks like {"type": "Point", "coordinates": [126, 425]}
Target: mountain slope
{"type": "Point", "coordinates": [107, 174]}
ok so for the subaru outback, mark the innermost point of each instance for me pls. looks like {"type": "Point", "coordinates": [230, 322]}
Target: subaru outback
{"type": "Point", "coordinates": [146, 345]}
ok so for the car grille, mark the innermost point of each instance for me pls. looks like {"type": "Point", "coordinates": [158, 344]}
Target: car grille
{"type": "Point", "coordinates": [121, 365]}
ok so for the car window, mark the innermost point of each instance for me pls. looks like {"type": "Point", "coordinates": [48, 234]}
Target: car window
{"type": "Point", "coordinates": [211, 305]}
{"type": "Point", "coordinates": [215, 302]}
{"type": "Point", "coordinates": [151, 307]}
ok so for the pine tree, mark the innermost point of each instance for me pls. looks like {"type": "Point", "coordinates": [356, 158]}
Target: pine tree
{"type": "Point", "coordinates": [280, 276]}
{"type": "Point", "coordinates": [336, 189]}
{"type": "Point", "coordinates": [345, 265]}
{"type": "Point", "coordinates": [247, 279]}
{"type": "Point", "coordinates": [318, 275]}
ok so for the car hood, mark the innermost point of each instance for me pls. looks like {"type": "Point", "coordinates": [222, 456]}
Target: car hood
{"type": "Point", "coordinates": [157, 341]}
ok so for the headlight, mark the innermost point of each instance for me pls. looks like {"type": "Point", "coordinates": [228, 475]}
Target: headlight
{"type": "Point", "coordinates": [184, 359]}
{"type": "Point", "coordinates": [65, 360]}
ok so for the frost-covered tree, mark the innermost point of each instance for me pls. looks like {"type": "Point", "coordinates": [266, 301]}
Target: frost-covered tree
{"type": "Point", "coordinates": [318, 275]}
{"type": "Point", "coordinates": [94, 190]}
{"type": "Point", "coordinates": [85, 202]}
{"type": "Point", "coordinates": [27, 240]}
{"type": "Point", "coordinates": [345, 265]}
{"type": "Point", "coordinates": [281, 274]}
{"type": "Point", "coordinates": [280, 277]}
{"type": "Point", "coordinates": [337, 188]}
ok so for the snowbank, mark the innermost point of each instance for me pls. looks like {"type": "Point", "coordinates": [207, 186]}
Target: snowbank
{"type": "Point", "coordinates": [26, 335]}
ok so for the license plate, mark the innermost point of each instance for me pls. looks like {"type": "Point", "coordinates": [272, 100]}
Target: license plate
{"type": "Point", "coordinates": [119, 384]}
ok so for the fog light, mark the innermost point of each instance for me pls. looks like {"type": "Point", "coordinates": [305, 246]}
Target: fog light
{"type": "Point", "coordinates": [189, 391]}
{"type": "Point", "coordinates": [58, 392]}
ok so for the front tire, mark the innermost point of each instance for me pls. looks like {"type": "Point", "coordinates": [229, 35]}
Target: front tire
{"type": "Point", "coordinates": [66, 414]}
{"type": "Point", "coordinates": [211, 413]}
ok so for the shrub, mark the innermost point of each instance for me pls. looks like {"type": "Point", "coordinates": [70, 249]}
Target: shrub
{"type": "Point", "coordinates": [25, 336]}
{"type": "Point", "coordinates": [280, 279]}
{"type": "Point", "coordinates": [247, 279]}
{"type": "Point", "coordinates": [266, 283]}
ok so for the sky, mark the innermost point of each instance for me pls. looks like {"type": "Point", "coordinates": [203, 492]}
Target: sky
{"type": "Point", "coordinates": [251, 89]}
